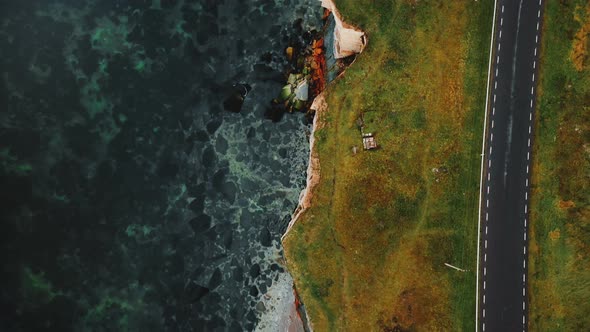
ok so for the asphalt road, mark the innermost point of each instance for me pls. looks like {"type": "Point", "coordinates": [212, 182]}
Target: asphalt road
{"type": "Point", "coordinates": [507, 167]}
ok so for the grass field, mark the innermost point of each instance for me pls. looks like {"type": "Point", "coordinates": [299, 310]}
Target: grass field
{"type": "Point", "coordinates": [559, 257]}
{"type": "Point", "coordinates": [369, 254]}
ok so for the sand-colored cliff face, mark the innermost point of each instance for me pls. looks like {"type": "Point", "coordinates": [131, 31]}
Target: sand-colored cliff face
{"type": "Point", "coordinates": [319, 105]}
{"type": "Point", "coordinates": [282, 314]}
{"type": "Point", "coordinates": [347, 40]}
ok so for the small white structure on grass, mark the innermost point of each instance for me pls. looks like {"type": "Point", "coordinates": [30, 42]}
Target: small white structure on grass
{"type": "Point", "coordinates": [369, 142]}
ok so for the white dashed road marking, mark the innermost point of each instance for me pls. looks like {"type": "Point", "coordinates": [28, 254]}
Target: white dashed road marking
{"type": "Point", "coordinates": [489, 164]}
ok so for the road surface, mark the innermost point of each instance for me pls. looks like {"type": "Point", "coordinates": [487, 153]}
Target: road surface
{"type": "Point", "coordinates": [502, 289]}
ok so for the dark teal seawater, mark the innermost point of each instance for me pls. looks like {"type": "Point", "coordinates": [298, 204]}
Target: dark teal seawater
{"type": "Point", "coordinates": [130, 200]}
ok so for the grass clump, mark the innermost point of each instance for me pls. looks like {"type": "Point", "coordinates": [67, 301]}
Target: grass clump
{"type": "Point", "coordinates": [369, 254]}
{"type": "Point", "coordinates": [559, 270]}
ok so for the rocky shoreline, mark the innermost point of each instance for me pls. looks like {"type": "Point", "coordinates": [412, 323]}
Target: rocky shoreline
{"type": "Point", "coordinates": [348, 41]}
{"type": "Point", "coordinates": [290, 315]}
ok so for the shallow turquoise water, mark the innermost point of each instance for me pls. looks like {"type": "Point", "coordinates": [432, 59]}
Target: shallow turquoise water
{"type": "Point", "coordinates": [131, 200]}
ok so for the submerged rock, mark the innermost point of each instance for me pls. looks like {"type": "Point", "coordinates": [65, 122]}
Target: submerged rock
{"type": "Point", "coordinates": [254, 291]}
{"type": "Point", "coordinates": [229, 190]}
{"type": "Point", "coordinates": [255, 271]}
{"type": "Point", "coordinates": [235, 100]}
{"type": "Point", "coordinates": [216, 279]}
{"type": "Point", "coordinates": [195, 292]}
{"type": "Point", "coordinates": [200, 223]}
{"type": "Point", "coordinates": [265, 237]}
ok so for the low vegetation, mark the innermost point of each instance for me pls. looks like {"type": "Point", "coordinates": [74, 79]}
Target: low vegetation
{"type": "Point", "coordinates": [369, 254]}
{"type": "Point", "coordinates": [559, 258]}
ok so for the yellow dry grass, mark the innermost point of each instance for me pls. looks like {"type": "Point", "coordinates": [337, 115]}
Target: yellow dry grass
{"type": "Point", "coordinates": [560, 208]}
{"type": "Point", "coordinates": [581, 42]}
{"type": "Point", "coordinates": [368, 254]}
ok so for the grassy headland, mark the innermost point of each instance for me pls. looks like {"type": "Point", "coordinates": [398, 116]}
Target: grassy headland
{"type": "Point", "coordinates": [559, 257]}
{"type": "Point", "coordinates": [369, 254]}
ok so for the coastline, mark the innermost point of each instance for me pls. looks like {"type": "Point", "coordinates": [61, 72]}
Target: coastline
{"type": "Point", "coordinates": [378, 219]}
{"type": "Point", "coordinates": [344, 45]}
{"type": "Point", "coordinates": [320, 106]}
{"type": "Point", "coordinates": [348, 41]}
{"type": "Point", "coordinates": [282, 300]}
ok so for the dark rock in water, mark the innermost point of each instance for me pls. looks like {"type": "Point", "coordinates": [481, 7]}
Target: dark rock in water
{"type": "Point", "coordinates": [266, 200]}
{"type": "Point", "coordinates": [219, 179]}
{"type": "Point", "coordinates": [194, 292]}
{"type": "Point", "coordinates": [238, 274]}
{"type": "Point", "coordinates": [266, 134]}
{"type": "Point", "coordinates": [283, 152]}
{"type": "Point", "coordinates": [196, 324]}
{"type": "Point", "coordinates": [213, 125]}
{"type": "Point", "coordinates": [175, 264]}
{"type": "Point", "coordinates": [263, 289]}
{"type": "Point", "coordinates": [235, 327]}
{"type": "Point", "coordinates": [235, 100]}
{"type": "Point", "coordinates": [221, 145]}
{"type": "Point", "coordinates": [249, 327]}
{"type": "Point", "coordinates": [275, 112]}
{"type": "Point", "coordinates": [285, 180]}
{"type": "Point", "coordinates": [228, 240]}
{"type": "Point", "coordinates": [254, 291]}
{"type": "Point", "coordinates": [215, 323]}
{"type": "Point", "coordinates": [265, 238]}
{"type": "Point", "coordinates": [246, 219]}
{"type": "Point", "coordinates": [266, 57]}
{"type": "Point", "coordinates": [168, 4]}
{"type": "Point", "coordinates": [209, 157]}
{"type": "Point", "coordinates": [255, 271]}
{"type": "Point", "coordinates": [197, 190]}
{"type": "Point", "coordinates": [200, 223]}
{"type": "Point", "coordinates": [167, 169]}
{"type": "Point", "coordinates": [248, 185]}
{"type": "Point", "coordinates": [251, 132]}
{"type": "Point", "coordinates": [229, 191]}
{"type": "Point", "coordinates": [274, 267]}
{"type": "Point", "coordinates": [188, 147]}
{"type": "Point", "coordinates": [309, 115]}
{"type": "Point", "coordinates": [212, 234]}
{"type": "Point", "coordinates": [213, 301]}
{"type": "Point", "coordinates": [251, 316]}
{"type": "Point", "coordinates": [298, 25]}
{"type": "Point", "coordinates": [265, 72]}
{"type": "Point", "coordinates": [216, 279]}
{"type": "Point", "coordinates": [197, 205]}
{"type": "Point", "coordinates": [201, 136]}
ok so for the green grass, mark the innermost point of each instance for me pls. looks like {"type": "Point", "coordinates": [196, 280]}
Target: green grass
{"type": "Point", "coordinates": [560, 221]}
{"type": "Point", "coordinates": [369, 253]}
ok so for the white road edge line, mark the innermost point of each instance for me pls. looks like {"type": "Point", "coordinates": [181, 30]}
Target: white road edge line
{"type": "Point", "coordinates": [483, 144]}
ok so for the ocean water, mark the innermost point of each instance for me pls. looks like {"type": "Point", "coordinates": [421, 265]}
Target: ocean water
{"type": "Point", "coordinates": [130, 199]}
